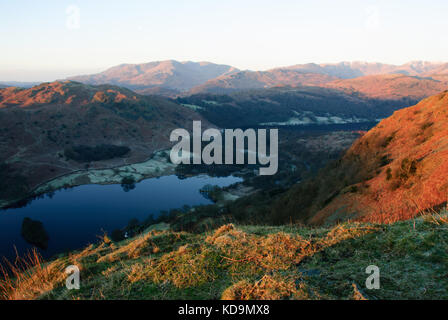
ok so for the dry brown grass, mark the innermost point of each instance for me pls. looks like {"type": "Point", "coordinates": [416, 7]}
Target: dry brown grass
{"type": "Point", "coordinates": [28, 277]}
{"type": "Point", "coordinates": [277, 251]}
{"type": "Point", "coordinates": [132, 250]}
{"type": "Point", "coordinates": [239, 254]}
{"type": "Point", "coordinates": [136, 273]}
{"type": "Point", "coordinates": [187, 267]}
{"type": "Point", "coordinates": [357, 294]}
{"type": "Point", "coordinates": [436, 218]}
{"type": "Point", "coordinates": [142, 245]}
{"type": "Point", "coordinates": [418, 167]}
{"type": "Point", "coordinates": [178, 260]}
{"type": "Point", "coordinates": [269, 287]}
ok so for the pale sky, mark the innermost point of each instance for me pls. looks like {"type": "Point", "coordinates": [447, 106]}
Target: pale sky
{"type": "Point", "coordinates": [46, 40]}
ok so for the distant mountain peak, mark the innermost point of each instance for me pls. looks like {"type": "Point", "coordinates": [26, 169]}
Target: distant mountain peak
{"type": "Point", "coordinates": [169, 74]}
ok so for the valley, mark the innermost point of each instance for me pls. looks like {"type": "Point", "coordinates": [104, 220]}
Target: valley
{"type": "Point", "coordinates": [188, 153]}
{"type": "Point", "coordinates": [357, 152]}
{"type": "Point", "coordinates": [311, 151]}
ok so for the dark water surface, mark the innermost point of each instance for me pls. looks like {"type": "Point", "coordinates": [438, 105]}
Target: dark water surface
{"type": "Point", "coordinates": [75, 217]}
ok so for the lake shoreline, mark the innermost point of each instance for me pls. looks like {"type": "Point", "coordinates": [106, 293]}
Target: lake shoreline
{"type": "Point", "coordinates": [157, 165]}
{"type": "Point", "coordinates": [76, 217]}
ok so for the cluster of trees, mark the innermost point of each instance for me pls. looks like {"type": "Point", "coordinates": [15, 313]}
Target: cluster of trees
{"type": "Point", "coordinates": [84, 153]}
{"type": "Point", "coordinates": [134, 227]}
{"type": "Point", "coordinates": [252, 107]}
{"type": "Point", "coordinates": [128, 183]}
{"type": "Point", "coordinates": [13, 185]}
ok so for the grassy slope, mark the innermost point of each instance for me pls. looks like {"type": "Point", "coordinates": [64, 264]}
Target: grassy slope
{"type": "Point", "coordinates": [393, 172]}
{"type": "Point", "coordinates": [256, 262]}
{"type": "Point", "coordinates": [400, 167]}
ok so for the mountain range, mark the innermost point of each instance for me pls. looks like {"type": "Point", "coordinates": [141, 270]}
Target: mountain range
{"type": "Point", "coordinates": [170, 74]}
{"type": "Point", "coordinates": [349, 70]}
{"type": "Point", "coordinates": [172, 78]}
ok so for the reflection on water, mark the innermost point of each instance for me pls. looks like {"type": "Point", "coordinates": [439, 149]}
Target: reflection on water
{"type": "Point", "coordinates": [75, 217]}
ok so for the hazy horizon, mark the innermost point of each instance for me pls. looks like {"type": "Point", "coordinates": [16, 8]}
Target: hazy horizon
{"type": "Point", "coordinates": [62, 75]}
{"type": "Point", "coordinates": [46, 41]}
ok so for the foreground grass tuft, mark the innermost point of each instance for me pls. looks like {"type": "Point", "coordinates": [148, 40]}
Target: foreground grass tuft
{"type": "Point", "coordinates": [269, 287]}
{"type": "Point", "coordinates": [28, 277]}
{"type": "Point", "coordinates": [253, 262]}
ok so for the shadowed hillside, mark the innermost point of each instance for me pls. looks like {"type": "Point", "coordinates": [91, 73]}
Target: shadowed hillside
{"type": "Point", "coordinates": [244, 80]}
{"type": "Point", "coordinates": [291, 106]}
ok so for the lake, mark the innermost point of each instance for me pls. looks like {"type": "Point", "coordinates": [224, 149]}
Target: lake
{"type": "Point", "coordinates": [76, 217]}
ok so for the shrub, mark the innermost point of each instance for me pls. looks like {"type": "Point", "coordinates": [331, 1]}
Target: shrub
{"type": "Point", "coordinates": [407, 169]}
{"type": "Point", "coordinates": [33, 232]}
{"type": "Point", "coordinates": [387, 140]}
{"type": "Point", "coordinates": [426, 125]}
{"type": "Point", "coordinates": [384, 160]}
{"type": "Point", "coordinates": [128, 180]}
{"type": "Point", "coordinates": [117, 235]}
{"type": "Point", "coordinates": [388, 174]}
{"type": "Point", "coordinates": [128, 183]}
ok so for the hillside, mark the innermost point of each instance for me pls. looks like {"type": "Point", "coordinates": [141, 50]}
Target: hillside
{"type": "Point", "coordinates": [244, 80]}
{"type": "Point", "coordinates": [396, 171]}
{"type": "Point", "coordinates": [40, 125]}
{"type": "Point", "coordinates": [290, 106]}
{"type": "Point", "coordinates": [412, 147]}
{"type": "Point", "coordinates": [159, 91]}
{"type": "Point", "coordinates": [169, 74]}
{"type": "Point", "coordinates": [391, 86]}
{"type": "Point", "coordinates": [251, 262]}
{"type": "Point", "coordinates": [441, 69]}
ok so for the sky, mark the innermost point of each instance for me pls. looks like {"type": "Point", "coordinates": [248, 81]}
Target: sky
{"type": "Point", "coordinates": [48, 40]}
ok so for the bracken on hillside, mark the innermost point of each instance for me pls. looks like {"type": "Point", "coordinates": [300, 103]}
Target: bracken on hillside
{"type": "Point", "coordinates": [398, 169]}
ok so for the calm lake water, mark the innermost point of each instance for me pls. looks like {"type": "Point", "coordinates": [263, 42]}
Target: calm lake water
{"type": "Point", "coordinates": [75, 217]}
